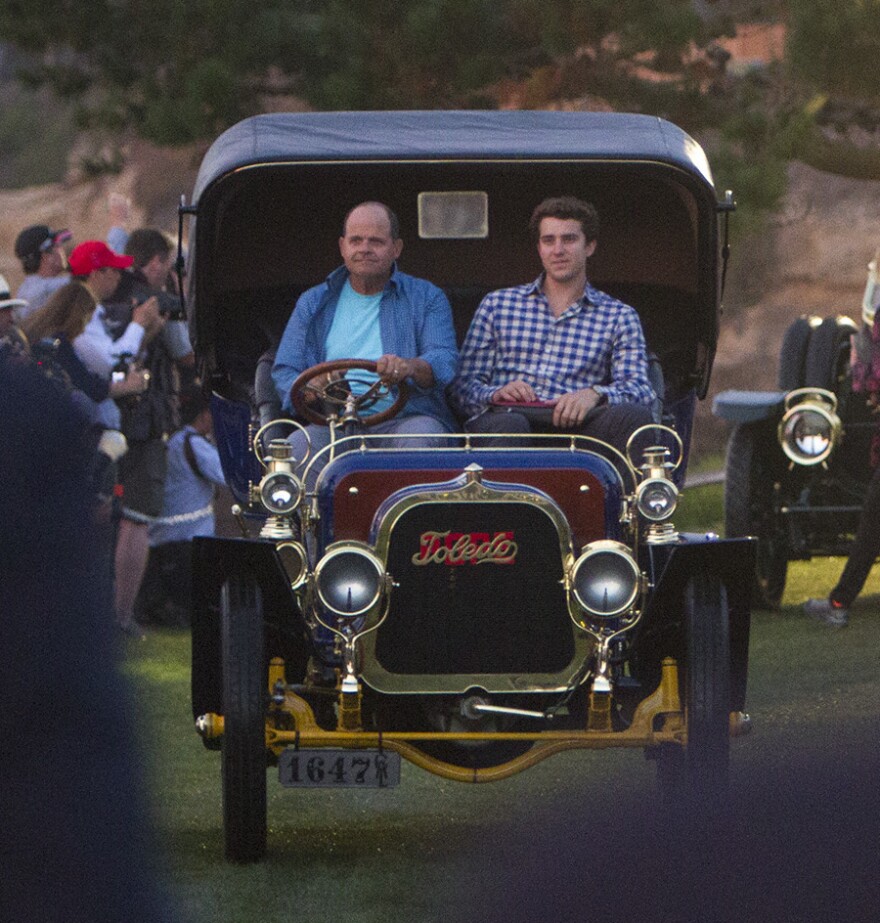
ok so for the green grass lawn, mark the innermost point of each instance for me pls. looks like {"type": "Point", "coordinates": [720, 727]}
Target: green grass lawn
{"type": "Point", "coordinates": [396, 854]}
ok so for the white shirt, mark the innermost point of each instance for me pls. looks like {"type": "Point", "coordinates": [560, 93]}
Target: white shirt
{"type": "Point", "coordinates": [98, 351]}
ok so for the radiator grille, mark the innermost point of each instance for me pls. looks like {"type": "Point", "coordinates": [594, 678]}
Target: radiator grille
{"type": "Point", "coordinates": [452, 615]}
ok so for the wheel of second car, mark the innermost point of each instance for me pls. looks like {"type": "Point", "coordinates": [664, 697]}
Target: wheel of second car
{"type": "Point", "coordinates": [828, 353]}
{"type": "Point", "coordinates": [793, 353]}
{"type": "Point", "coordinates": [750, 509]}
{"type": "Point", "coordinates": [243, 751]}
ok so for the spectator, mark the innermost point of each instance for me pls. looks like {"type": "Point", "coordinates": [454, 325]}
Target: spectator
{"type": "Point", "coordinates": [368, 309]}
{"type": "Point", "coordinates": [151, 252]}
{"type": "Point", "coordinates": [44, 263]}
{"type": "Point", "coordinates": [52, 331]}
{"type": "Point", "coordinates": [556, 341]}
{"type": "Point", "coordinates": [833, 609]}
{"type": "Point", "coordinates": [77, 846]}
{"type": "Point", "coordinates": [7, 305]}
{"type": "Point", "coordinates": [61, 321]}
{"type": "Point", "coordinates": [147, 422]}
{"type": "Point", "coordinates": [187, 511]}
{"type": "Point", "coordinates": [98, 268]}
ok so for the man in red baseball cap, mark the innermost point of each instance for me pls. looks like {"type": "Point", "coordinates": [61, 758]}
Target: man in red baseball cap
{"type": "Point", "coordinates": [99, 268]}
{"type": "Point", "coordinates": [94, 256]}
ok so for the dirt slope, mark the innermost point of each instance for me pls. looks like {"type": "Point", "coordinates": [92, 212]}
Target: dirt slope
{"type": "Point", "coordinates": [813, 261]}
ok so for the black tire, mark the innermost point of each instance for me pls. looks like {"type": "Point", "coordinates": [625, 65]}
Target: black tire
{"type": "Point", "coordinates": [707, 684]}
{"type": "Point", "coordinates": [701, 769]}
{"type": "Point", "coordinates": [793, 353]}
{"type": "Point", "coordinates": [828, 353]}
{"type": "Point", "coordinates": [749, 509]}
{"type": "Point", "coordinates": [243, 752]}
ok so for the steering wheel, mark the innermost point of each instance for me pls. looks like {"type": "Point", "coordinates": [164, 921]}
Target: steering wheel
{"type": "Point", "coordinates": [335, 397]}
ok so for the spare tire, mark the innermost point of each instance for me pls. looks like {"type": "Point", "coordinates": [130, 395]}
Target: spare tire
{"type": "Point", "coordinates": [793, 353]}
{"type": "Point", "coordinates": [828, 353]}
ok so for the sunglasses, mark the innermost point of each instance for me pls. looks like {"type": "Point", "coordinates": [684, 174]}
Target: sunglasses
{"type": "Point", "coordinates": [51, 242]}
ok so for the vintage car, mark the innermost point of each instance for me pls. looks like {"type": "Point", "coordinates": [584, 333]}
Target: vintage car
{"type": "Point", "coordinates": [472, 610]}
{"type": "Point", "coordinates": [798, 458]}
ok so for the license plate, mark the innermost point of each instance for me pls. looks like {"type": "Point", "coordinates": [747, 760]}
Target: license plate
{"type": "Point", "coordinates": [339, 768]}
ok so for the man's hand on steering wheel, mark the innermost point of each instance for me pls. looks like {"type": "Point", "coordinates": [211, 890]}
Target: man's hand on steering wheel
{"type": "Point", "coordinates": [393, 368]}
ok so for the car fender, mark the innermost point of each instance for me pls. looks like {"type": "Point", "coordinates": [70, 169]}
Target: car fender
{"type": "Point", "coordinates": [214, 559]}
{"type": "Point", "coordinates": [661, 630]}
{"type": "Point", "coordinates": [748, 406]}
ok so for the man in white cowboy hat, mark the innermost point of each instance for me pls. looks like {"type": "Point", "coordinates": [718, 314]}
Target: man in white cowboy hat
{"type": "Point", "coordinates": [7, 305]}
{"type": "Point", "coordinates": [44, 262]}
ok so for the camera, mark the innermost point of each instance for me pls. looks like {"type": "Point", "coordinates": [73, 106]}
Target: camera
{"type": "Point", "coordinates": [170, 306]}
{"type": "Point", "coordinates": [120, 369]}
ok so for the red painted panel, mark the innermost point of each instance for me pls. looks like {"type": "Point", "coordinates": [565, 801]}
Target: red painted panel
{"type": "Point", "coordinates": [585, 510]}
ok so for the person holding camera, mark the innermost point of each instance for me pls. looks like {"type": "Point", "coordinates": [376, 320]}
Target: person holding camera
{"type": "Point", "coordinates": [54, 328]}
{"type": "Point", "coordinates": [148, 420]}
{"type": "Point", "coordinates": [95, 266]}
{"type": "Point", "coordinates": [100, 270]}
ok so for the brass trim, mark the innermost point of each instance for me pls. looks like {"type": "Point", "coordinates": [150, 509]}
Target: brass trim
{"type": "Point", "coordinates": [561, 443]}
{"type": "Point", "coordinates": [658, 720]}
{"type": "Point", "coordinates": [469, 487]}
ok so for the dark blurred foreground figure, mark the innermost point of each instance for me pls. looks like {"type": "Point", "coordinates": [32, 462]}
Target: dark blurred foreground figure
{"type": "Point", "coordinates": [75, 845]}
{"type": "Point", "coordinates": [797, 842]}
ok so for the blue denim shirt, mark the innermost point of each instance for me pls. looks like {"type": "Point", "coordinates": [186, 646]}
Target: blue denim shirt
{"type": "Point", "coordinates": [415, 320]}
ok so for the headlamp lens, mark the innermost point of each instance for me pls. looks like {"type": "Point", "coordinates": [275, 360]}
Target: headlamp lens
{"type": "Point", "coordinates": [280, 493]}
{"type": "Point", "coordinates": [808, 435]}
{"type": "Point", "coordinates": [657, 499]}
{"type": "Point", "coordinates": [349, 581]}
{"type": "Point", "coordinates": [605, 579]}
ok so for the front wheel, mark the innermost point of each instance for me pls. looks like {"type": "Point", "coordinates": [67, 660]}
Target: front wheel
{"type": "Point", "coordinates": [243, 753]}
{"type": "Point", "coordinates": [749, 509]}
{"type": "Point", "coordinates": [707, 683]}
{"type": "Point", "coordinates": [702, 767]}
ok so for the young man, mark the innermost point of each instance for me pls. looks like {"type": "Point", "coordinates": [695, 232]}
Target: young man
{"type": "Point", "coordinates": [368, 309]}
{"type": "Point", "coordinates": [44, 263]}
{"type": "Point", "coordinates": [556, 341]}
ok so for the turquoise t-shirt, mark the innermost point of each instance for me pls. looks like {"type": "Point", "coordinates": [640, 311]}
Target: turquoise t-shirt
{"type": "Point", "coordinates": [355, 334]}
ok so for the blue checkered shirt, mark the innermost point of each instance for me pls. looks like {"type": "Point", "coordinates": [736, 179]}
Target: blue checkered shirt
{"type": "Point", "coordinates": [596, 343]}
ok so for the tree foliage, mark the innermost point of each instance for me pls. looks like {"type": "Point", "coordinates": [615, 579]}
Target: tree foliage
{"type": "Point", "coordinates": [835, 45]}
{"type": "Point", "coordinates": [178, 70]}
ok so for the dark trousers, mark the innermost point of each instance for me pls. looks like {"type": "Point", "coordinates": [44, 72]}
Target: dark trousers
{"type": "Point", "coordinates": [865, 549]}
{"type": "Point", "coordinates": [165, 597]}
{"type": "Point", "coordinates": [612, 423]}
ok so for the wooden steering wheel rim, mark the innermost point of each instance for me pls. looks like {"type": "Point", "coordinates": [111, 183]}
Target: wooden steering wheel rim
{"type": "Point", "coordinates": [300, 405]}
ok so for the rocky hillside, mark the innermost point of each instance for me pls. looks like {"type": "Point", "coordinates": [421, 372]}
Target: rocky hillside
{"type": "Point", "coordinates": [813, 260]}
{"type": "Point", "coordinates": [153, 179]}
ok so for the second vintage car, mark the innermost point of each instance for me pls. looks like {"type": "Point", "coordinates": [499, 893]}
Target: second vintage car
{"type": "Point", "coordinates": [798, 458]}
